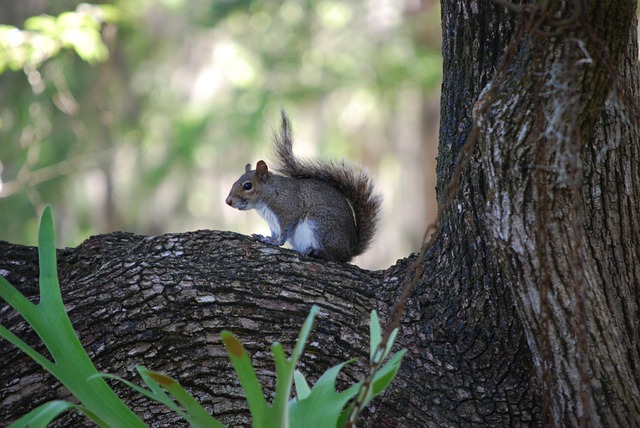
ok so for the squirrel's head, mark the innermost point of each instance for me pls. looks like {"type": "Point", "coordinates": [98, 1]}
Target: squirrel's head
{"type": "Point", "coordinates": [245, 192]}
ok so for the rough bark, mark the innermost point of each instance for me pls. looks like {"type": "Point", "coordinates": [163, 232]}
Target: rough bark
{"type": "Point", "coordinates": [530, 289]}
{"type": "Point", "coordinates": [559, 171]}
{"type": "Point", "coordinates": [161, 301]}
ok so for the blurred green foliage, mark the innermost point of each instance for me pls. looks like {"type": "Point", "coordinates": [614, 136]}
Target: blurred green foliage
{"type": "Point", "coordinates": [45, 35]}
{"type": "Point", "coordinates": [138, 115]}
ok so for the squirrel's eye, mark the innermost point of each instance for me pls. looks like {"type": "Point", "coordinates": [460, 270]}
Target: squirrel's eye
{"type": "Point", "coordinates": [247, 185]}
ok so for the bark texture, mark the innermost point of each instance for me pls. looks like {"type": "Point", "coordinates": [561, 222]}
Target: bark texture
{"type": "Point", "coordinates": [161, 301]}
{"type": "Point", "coordinates": [558, 167]}
{"type": "Point", "coordinates": [526, 311]}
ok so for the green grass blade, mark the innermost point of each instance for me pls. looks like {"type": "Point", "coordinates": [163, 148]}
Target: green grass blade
{"type": "Point", "coordinates": [385, 375]}
{"type": "Point", "coordinates": [392, 339]}
{"type": "Point", "coordinates": [323, 406]}
{"type": "Point", "coordinates": [155, 387]}
{"type": "Point", "coordinates": [374, 334]}
{"type": "Point", "coordinates": [285, 369]}
{"type": "Point", "coordinates": [246, 375]}
{"type": "Point", "coordinates": [17, 301]}
{"type": "Point", "coordinates": [49, 286]}
{"type": "Point", "coordinates": [197, 415]}
{"type": "Point", "coordinates": [160, 396]}
{"type": "Point", "coordinates": [302, 387]}
{"type": "Point", "coordinates": [32, 353]}
{"type": "Point", "coordinates": [71, 364]}
{"type": "Point", "coordinates": [304, 334]}
{"type": "Point", "coordinates": [42, 415]}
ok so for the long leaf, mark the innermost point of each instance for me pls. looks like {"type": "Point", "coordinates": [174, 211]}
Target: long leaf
{"type": "Point", "coordinates": [247, 376]}
{"type": "Point", "coordinates": [49, 286]}
{"type": "Point", "coordinates": [17, 301]}
{"type": "Point", "coordinates": [323, 406]}
{"type": "Point", "coordinates": [381, 381]}
{"type": "Point", "coordinates": [32, 353]}
{"type": "Point", "coordinates": [387, 373]}
{"type": "Point", "coordinates": [285, 369]}
{"type": "Point", "coordinates": [374, 333]}
{"type": "Point", "coordinates": [71, 364]}
{"type": "Point", "coordinates": [304, 333]}
{"type": "Point", "coordinates": [197, 415]}
{"type": "Point", "coordinates": [42, 415]}
{"type": "Point", "coordinates": [302, 387]}
{"type": "Point", "coordinates": [160, 397]}
{"type": "Point", "coordinates": [156, 388]}
{"type": "Point", "coordinates": [390, 342]}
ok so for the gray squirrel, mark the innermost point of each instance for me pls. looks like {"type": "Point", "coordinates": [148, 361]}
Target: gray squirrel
{"type": "Point", "coordinates": [322, 208]}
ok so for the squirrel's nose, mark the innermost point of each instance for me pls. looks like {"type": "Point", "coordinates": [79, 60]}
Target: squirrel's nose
{"type": "Point", "coordinates": [228, 200]}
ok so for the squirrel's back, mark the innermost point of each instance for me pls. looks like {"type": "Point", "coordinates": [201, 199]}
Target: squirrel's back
{"type": "Point", "coordinates": [352, 182]}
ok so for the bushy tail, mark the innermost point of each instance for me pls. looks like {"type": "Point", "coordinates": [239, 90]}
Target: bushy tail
{"type": "Point", "coordinates": [352, 182]}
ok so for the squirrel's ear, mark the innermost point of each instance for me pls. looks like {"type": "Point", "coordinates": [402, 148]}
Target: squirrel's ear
{"type": "Point", "coordinates": [261, 169]}
{"type": "Point", "coordinates": [247, 168]}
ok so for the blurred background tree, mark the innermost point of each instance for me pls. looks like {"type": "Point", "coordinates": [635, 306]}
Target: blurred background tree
{"type": "Point", "coordinates": [139, 115]}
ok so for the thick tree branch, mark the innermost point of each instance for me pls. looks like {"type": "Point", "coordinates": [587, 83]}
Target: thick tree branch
{"type": "Point", "coordinates": [161, 301]}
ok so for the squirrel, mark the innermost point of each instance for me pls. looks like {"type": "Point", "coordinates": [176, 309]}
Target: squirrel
{"type": "Point", "coordinates": [324, 209]}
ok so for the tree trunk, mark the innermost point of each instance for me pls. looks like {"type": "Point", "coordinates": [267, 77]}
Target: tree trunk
{"type": "Point", "coordinates": [558, 169]}
{"type": "Point", "coordinates": [530, 288]}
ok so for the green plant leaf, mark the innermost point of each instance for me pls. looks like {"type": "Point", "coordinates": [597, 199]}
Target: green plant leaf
{"type": "Point", "coordinates": [156, 393]}
{"type": "Point", "coordinates": [284, 380]}
{"type": "Point", "coordinates": [390, 342]}
{"type": "Point", "coordinates": [49, 286]}
{"type": "Point", "coordinates": [302, 387]}
{"type": "Point", "coordinates": [43, 23]}
{"type": "Point", "coordinates": [385, 375]}
{"type": "Point", "coordinates": [197, 416]}
{"type": "Point", "coordinates": [381, 381]}
{"type": "Point", "coordinates": [193, 412]}
{"type": "Point", "coordinates": [323, 406]}
{"type": "Point", "coordinates": [17, 301]}
{"type": "Point", "coordinates": [285, 369]}
{"type": "Point", "coordinates": [42, 415]}
{"type": "Point", "coordinates": [32, 353]}
{"type": "Point", "coordinates": [50, 321]}
{"type": "Point", "coordinates": [374, 334]}
{"type": "Point", "coordinates": [304, 333]}
{"type": "Point", "coordinates": [247, 376]}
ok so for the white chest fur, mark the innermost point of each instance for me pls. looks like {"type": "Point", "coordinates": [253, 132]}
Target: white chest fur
{"type": "Point", "coordinates": [271, 220]}
{"type": "Point", "coordinates": [304, 237]}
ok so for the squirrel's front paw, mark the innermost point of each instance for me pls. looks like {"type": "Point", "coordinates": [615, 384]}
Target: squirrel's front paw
{"type": "Point", "coordinates": [262, 238]}
{"type": "Point", "coordinates": [267, 239]}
